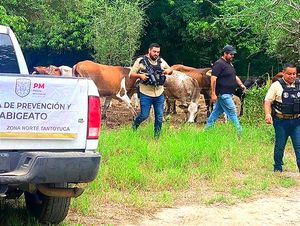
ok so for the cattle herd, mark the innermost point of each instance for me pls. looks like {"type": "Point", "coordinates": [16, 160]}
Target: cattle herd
{"type": "Point", "coordinates": [189, 86]}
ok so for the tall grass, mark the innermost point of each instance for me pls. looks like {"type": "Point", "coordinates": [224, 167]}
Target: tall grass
{"type": "Point", "coordinates": [253, 105]}
{"type": "Point", "coordinates": [137, 169]}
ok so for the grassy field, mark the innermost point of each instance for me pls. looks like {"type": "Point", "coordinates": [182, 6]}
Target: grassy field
{"type": "Point", "coordinates": [139, 171]}
{"type": "Point", "coordinates": [142, 172]}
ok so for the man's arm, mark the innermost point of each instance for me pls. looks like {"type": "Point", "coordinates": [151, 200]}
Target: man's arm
{"type": "Point", "coordinates": [213, 82]}
{"type": "Point", "coordinates": [167, 70]}
{"type": "Point", "coordinates": [138, 75]}
{"type": "Point", "coordinates": [270, 97]}
{"type": "Point", "coordinates": [240, 83]}
{"type": "Point", "coordinates": [268, 110]}
{"type": "Point", "coordinates": [134, 72]}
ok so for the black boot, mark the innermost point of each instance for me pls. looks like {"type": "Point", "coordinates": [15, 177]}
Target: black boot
{"type": "Point", "coordinates": [134, 126]}
{"type": "Point", "coordinates": [156, 134]}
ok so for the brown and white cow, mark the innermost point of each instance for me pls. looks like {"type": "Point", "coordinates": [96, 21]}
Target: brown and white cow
{"type": "Point", "coordinates": [65, 71]}
{"type": "Point", "coordinates": [111, 81]}
{"type": "Point", "coordinates": [50, 70]}
{"type": "Point", "coordinates": [185, 89]}
{"type": "Point", "coordinates": [53, 70]}
{"type": "Point", "coordinates": [202, 75]}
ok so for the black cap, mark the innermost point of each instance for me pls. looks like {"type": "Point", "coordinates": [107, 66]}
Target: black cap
{"type": "Point", "coordinates": [229, 49]}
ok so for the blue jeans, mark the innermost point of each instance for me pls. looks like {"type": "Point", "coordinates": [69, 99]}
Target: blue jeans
{"type": "Point", "coordinates": [145, 104]}
{"type": "Point", "coordinates": [224, 104]}
{"type": "Point", "coordinates": [283, 129]}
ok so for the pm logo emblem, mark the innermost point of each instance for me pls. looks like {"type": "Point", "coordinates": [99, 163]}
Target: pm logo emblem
{"type": "Point", "coordinates": [22, 87]}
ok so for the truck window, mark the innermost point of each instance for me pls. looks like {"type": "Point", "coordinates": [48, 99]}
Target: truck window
{"type": "Point", "coordinates": [8, 58]}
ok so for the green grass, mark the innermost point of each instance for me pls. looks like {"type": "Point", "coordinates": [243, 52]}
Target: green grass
{"type": "Point", "coordinates": [13, 213]}
{"type": "Point", "coordinates": [134, 163]}
{"type": "Point", "coordinates": [142, 172]}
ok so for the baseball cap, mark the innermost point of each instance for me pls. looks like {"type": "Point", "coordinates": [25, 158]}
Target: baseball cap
{"type": "Point", "coordinates": [229, 49]}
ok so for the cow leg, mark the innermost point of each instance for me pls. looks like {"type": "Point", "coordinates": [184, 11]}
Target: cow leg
{"type": "Point", "coordinates": [209, 105]}
{"type": "Point", "coordinates": [242, 103]}
{"type": "Point", "coordinates": [136, 100]}
{"type": "Point", "coordinates": [171, 106]}
{"type": "Point", "coordinates": [127, 101]}
{"type": "Point", "coordinates": [107, 103]}
{"type": "Point", "coordinates": [124, 97]}
{"type": "Point", "coordinates": [167, 106]}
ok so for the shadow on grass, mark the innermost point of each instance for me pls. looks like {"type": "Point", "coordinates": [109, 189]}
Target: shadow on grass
{"type": "Point", "coordinates": [14, 213]}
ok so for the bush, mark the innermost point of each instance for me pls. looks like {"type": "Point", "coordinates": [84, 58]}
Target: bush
{"type": "Point", "coordinates": [253, 110]}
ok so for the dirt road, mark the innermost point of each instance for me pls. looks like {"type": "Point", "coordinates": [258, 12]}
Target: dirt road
{"type": "Point", "coordinates": [266, 211]}
{"type": "Point", "coordinates": [282, 208]}
{"type": "Point", "coordinates": [279, 207]}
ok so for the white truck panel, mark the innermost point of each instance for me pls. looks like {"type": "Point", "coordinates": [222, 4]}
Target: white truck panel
{"type": "Point", "coordinates": [37, 138]}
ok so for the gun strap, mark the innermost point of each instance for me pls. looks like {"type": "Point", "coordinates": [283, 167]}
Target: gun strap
{"type": "Point", "coordinates": [145, 61]}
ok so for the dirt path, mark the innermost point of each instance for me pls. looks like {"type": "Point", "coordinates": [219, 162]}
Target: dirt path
{"type": "Point", "coordinates": [282, 208]}
{"type": "Point", "coordinates": [266, 211]}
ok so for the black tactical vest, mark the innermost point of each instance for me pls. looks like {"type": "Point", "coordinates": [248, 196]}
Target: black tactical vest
{"type": "Point", "coordinates": [154, 72]}
{"type": "Point", "coordinates": [290, 99]}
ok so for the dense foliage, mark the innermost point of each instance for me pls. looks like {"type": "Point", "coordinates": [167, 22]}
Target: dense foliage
{"type": "Point", "coordinates": [75, 30]}
{"type": "Point", "coordinates": [191, 32]}
{"type": "Point", "coordinates": [117, 29]}
{"type": "Point", "coordinates": [253, 106]}
{"type": "Point", "coordinates": [275, 28]}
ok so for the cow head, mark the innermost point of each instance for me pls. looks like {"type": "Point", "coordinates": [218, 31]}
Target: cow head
{"type": "Point", "coordinates": [51, 70]}
{"type": "Point", "coordinates": [191, 112]}
{"type": "Point", "coordinates": [255, 82]}
{"type": "Point", "coordinates": [40, 70]}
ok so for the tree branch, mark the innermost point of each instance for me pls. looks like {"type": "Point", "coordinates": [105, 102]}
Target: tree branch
{"type": "Point", "coordinates": [294, 5]}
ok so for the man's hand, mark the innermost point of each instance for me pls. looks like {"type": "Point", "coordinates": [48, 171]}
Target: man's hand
{"type": "Point", "coordinates": [268, 119]}
{"type": "Point", "coordinates": [213, 97]}
{"type": "Point", "coordinates": [243, 87]}
{"type": "Point", "coordinates": [168, 71]}
{"type": "Point", "coordinates": [143, 77]}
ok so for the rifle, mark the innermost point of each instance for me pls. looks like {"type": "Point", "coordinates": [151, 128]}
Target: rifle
{"type": "Point", "coordinates": [155, 76]}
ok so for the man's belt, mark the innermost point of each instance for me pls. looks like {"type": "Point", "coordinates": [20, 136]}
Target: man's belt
{"type": "Point", "coordinates": [282, 116]}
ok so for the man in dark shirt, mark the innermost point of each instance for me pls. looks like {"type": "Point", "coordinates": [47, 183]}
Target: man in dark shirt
{"type": "Point", "coordinates": [223, 84]}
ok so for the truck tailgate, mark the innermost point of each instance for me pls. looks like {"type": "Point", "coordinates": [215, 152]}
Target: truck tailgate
{"type": "Point", "coordinates": [42, 112]}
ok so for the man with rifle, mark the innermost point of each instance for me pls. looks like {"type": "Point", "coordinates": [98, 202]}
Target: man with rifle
{"type": "Point", "coordinates": [151, 70]}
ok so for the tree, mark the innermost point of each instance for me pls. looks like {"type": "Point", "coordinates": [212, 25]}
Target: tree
{"type": "Point", "coordinates": [64, 32]}
{"type": "Point", "coordinates": [118, 26]}
{"type": "Point", "coordinates": [266, 25]}
{"type": "Point", "coordinates": [17, 22]}
{"type": "Point", "coordinates": [185, 30]}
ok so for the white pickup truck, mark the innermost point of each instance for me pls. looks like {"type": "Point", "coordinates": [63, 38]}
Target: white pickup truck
{"type": "Point", "coordinates": [49, 128]}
